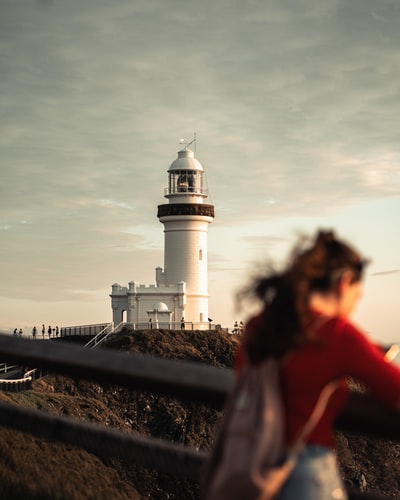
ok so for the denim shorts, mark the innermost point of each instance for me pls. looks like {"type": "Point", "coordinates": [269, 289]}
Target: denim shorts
{"type": "Point", "coordinates": [316, 476]}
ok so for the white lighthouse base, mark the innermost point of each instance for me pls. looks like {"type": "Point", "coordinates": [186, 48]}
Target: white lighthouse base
{"type": "Point", "coordinates": [165, 305]}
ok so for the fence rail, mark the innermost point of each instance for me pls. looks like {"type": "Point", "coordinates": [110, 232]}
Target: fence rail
{"type": "Point", "coordinates": [172, 325]}
{"type": "Point", "coordinates": [83, 330]}
{"type": "Point", "coordinates": [170, 377]}
{"type": "Point", "coordinates": [98, 328]}
{"type": "Point", "coordinates": [169, 458]}
{"type": "Point", "coordinates": [7, 368]}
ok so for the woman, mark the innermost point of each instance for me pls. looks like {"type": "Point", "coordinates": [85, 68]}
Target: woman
{"type": "Point", "coordinates": [305, 323]}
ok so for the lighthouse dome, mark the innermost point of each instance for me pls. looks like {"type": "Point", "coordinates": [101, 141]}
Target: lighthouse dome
{"type": "Point", "coordinates": [160, 307]}
{"type": "Point", "coordinates": [186, 161]}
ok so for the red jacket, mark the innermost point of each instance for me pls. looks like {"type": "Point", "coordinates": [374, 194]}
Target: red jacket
{"type": "Point", "coordinates": [343, 352]}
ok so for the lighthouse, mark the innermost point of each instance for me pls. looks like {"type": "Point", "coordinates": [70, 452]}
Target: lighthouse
{"type": "Point", "coordinates": [186, 217]}
{"type": "Point", "coordinates": [181, 286]}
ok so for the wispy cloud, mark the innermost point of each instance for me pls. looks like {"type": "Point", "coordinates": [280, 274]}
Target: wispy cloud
{"type": "Point", "coordinates": [384, 273]}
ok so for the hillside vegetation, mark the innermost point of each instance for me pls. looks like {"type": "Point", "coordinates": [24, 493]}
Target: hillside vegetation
{"type": "Point", "coordinates": [32, 468]}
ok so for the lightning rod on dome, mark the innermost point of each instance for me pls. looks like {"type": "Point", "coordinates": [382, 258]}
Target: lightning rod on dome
{"type": "Point", "coordinates": [187, 144]}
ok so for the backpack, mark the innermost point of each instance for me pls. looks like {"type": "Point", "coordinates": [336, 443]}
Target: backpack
{"type": "Point", "coordinates": [249, 459]}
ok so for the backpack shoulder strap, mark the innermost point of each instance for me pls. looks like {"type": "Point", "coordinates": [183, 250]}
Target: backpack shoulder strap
{"type": "Point", "coordinates": [316, 414]}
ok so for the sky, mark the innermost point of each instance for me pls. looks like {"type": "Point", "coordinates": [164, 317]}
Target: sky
{"type": "Point", "coordinates": [295, 105]}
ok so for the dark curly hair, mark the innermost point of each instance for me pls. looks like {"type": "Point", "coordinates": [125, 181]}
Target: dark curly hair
{"type": "Point", "coordinates": [285, 295]}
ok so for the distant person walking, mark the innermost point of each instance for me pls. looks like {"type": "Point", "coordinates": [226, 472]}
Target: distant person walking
{"type": "Point", "coordinates": [150, 324]}
{"type": "Point", "coordinates": [182, 323]}
{"type": "Point", "coordinates": [49, 331]}
{"type": "Point", "coordinates": [57, 331]}
{"type": "Point", "coordinates": [34, 332]}
{"type": "Point", "coordinates": [43, 331]}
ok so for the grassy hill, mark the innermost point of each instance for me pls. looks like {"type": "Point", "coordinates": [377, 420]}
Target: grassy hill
{"type": "Point", "coordinates": [32, 468]}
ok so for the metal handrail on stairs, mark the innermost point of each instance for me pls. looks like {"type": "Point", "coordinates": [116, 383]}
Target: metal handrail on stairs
{"type": "Point", "coordinates": [100, 337]}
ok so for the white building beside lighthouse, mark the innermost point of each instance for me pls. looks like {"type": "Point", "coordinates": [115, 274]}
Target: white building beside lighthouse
{"type": "Point", "coordinates": [181, 286]}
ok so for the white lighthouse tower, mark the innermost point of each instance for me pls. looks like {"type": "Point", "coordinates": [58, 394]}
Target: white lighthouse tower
{"type": "Point", "coordinates": [186, 218]}
{"type": "Point", "coordinates": [181, 288]}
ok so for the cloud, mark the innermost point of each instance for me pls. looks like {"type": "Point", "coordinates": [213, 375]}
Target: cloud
{"type": "Point", "coordinates": [295, 105]}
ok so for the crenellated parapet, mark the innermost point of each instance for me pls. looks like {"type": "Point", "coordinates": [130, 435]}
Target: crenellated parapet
{"type": "Point", "coordinates": [135, 289]}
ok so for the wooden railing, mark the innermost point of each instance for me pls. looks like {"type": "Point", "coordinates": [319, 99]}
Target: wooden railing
{"type": "Point", "coordinates": [178, 379]}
